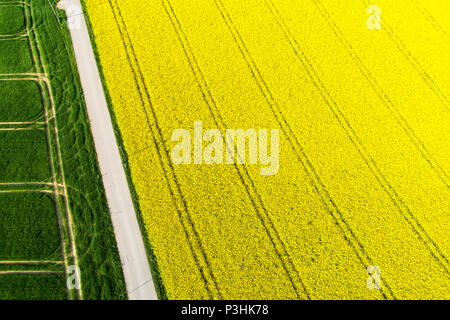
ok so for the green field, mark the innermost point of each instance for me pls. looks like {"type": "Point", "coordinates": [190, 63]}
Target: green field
{"type": "Point", "coordinates": [53, 211]}
{"type": "Point", "coordinates": [20, 101]}
{"type": "Point", "coordinates": [29, 227]}
{"type": "Point", "coordinates": [12, 20]}
{"type": "Point", "coordinates": [32, 286]}
{"type": "Point", "coordinates": [16, 56]}
{"type": "Point", "coordinates": [24, 156]}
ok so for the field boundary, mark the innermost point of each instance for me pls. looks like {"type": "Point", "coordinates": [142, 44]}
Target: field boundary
{"type": "Point", "coordinates": [44, 85]}
{"type": "Point", "coordinates": [69, 140]}
{"type": "Point", "coordinates": [57, 186]}
{"type": "Point", "coordinates": [136, 269]}
{"type": "Point", "coordinates": [157, 279]}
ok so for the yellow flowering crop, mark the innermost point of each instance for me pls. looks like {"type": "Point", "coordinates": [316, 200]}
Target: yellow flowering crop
{"type": "Point", "coordinates": [364, 120]}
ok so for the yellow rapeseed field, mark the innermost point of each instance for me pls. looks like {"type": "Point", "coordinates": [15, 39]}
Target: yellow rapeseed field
{"type": "Point", "coordinates": [364, 153]}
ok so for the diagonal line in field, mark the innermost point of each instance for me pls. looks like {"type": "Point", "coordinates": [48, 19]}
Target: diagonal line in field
{"type": "Point", "coordinates": [251, 190]}
{"type": "Point", "coordinates": [377, 88]}
{"type": "Point", "coordinates": [164, 158]}
{"type": "Point", "coordinates": [401, 206]}
{"type": "Point", "coordinates": [421, 8]}
{"type": "Point", "coordinates": [323, 193]}
{"type": "Point", "coordinates": [426, 77]}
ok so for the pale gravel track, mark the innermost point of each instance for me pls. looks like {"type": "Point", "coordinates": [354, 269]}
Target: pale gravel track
{"type": "Point", "coordinates": [30, 262]}
{"type": "Point", "coordinates": [31, 272]}
{"type": "Point", "coordinates": [131, 247]}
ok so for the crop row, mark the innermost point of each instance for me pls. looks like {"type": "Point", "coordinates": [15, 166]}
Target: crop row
{"type": "Point", "coordinates": [354, 188]}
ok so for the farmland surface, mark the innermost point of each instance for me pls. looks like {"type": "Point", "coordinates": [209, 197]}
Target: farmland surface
{"type": "Point", "coordinates": [364, 120]}
{"type": "Point", "coordinates": [53, 212]}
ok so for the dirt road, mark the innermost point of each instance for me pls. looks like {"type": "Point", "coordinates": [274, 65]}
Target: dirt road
{"type": "Point", "coordinates": [128, 235]}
